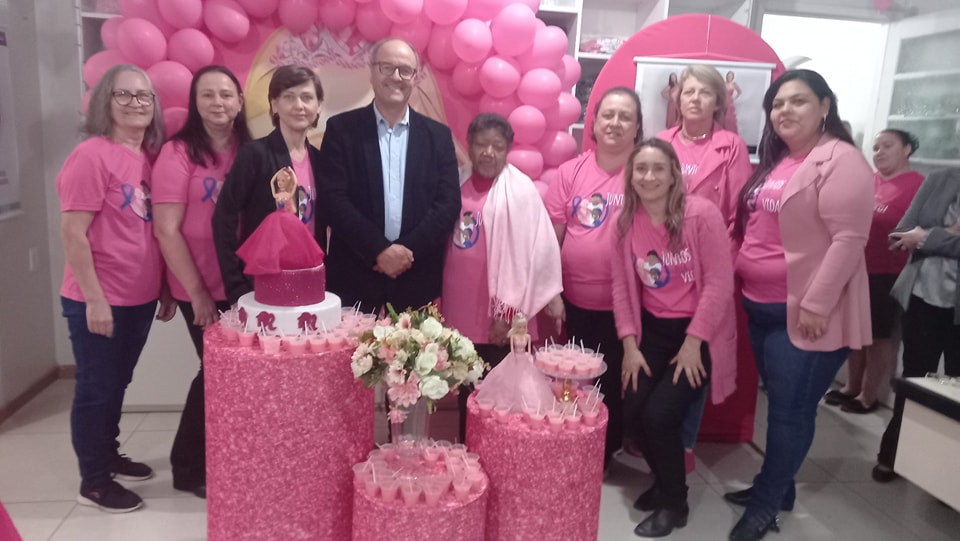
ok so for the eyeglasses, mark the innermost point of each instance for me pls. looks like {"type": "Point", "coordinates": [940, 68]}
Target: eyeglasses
{"type": "Point", "coordinates": [406, 72]}
{"type": "Point", "coordinates": [125, 97]}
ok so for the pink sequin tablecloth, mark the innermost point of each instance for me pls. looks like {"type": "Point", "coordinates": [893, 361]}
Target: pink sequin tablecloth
{"type": "Point", "coordinates": [377, 520]}
{"type": "Point", "coordinates": [283, 432]}
{"type": "Point", "coordinates": [543, 485]}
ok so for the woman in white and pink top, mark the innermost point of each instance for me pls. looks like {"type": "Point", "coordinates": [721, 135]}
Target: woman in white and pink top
{"type": "Point", "coordinates": [673, 302]}
{"type": "Point", "coordinates": [187, 178]}
{"type": "Point", "coordinates": [113, 275]}
{"type": "Point", "coordinates": [584, 202]}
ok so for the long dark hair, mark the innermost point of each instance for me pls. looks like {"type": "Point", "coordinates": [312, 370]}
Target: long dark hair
{"type": "Point", "coordinates": [194, 136]}
{"type": "Point", "coordinates": [773, 149]}
{"type": "Point", "coordinates": [676, 196]}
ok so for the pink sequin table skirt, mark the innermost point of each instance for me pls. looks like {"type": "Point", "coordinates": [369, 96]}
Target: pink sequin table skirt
{"type": "Point", "coordinates": [543, 485]}
{"type": "Point", "coordinates": [283, 432]}
{"type": "Point", "coordinates": [376, 520]}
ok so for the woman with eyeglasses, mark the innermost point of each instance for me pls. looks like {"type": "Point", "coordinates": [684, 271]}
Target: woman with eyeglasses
{"type": "Point", "coordinates": [246, 198]}
{"type": "Point", "coordinates": [113, 276]}
{"type": "Point", "coordinates": [187, 179]}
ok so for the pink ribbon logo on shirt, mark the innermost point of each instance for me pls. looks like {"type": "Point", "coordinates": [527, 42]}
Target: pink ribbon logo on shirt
{"type": "Point", "coordinates": [591, 212]}
{"type": "Point", "coordinates": [138, 200]}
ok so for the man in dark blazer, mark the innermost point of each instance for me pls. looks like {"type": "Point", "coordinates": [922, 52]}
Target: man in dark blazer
{"type": "Point", "coordinates": [389, 190]}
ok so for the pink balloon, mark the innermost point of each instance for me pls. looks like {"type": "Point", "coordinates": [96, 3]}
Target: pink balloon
{"type": "Point", "coordinates": [182, 13]}
{"type": "Point", "coordinates": [466, 79]}
{"type": "Point", "coordinates": [528, 124]}
{"type": "Point", "coordinates": [146, 9]}
{"type": "Point", "coordinates": [85, 101]}
{"type": "Point", "coordinates": [532, 4]}
{"type": "Point", "coordinates": [226, 20]}
{"type": "Point", "coordinates": [364, 1]}
{"type": "Point", "coordinates": [539, 87]}
{"type": "Point", "coordinates": [548, 175]}
{"type": "Point", "coordinates": [141, 42]}
{"type": "Point", "coordinates": [259, 9]}
{"type": "Point", "coordinates": [542, 188]}
{"type": "Point", "coordinates": [444, 11]}
{"type": "Point", "coordinates": [564, 112]}
{"type": "Point", "coordinates": [98, 64]}
{"type": "Point", "coordinates": [297, 15]}
{"type": "Point", "coordinates": [171, 80]}
{"type": "Point", "coordinates": [190, 47]}
{"type": "Point", "coordinates": [401, 11]}
{"type": "Point", "coordinates": [484, 9]}
{"type": "Point", "coordinates": [173, 120]}
{"type": "Point", "coordinates": [337, 14]}
{"type": "Point", "coordinates": [569, 71]}
{"type": "Point", "coordinates": [498, 77]}
{"type": "Point", "coordinates": [513, 30]}
{"type": "Point", "coordinates": [549, 46]}
{"type": "Point", "coordinates": [472, 40]}
{"type": "Point", "coordinates": [372, 23]}
{"type": "Point", "coordinates": [108, 32]}
{"type": "Point", "coordinates": [440, 48]}
{"type": "Point", "coordinates": [500, 106]}
{"type": "Point", "coordinates": [416, 33]}
{"type": "Point", "coordinates": [557, 147]}
{"type": "Point", "coordinates": [527, 159]}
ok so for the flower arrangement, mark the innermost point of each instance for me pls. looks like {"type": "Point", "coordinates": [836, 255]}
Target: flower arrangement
{"type": "Point", "coordinates": [415, 357]}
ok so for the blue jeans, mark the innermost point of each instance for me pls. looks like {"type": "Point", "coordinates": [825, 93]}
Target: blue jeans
{"type": "Point", "coordinates": [694, 416]}
{"type": "Point", "coordinates": [795, 380]}
{"type": "Point", "coordinates": [104, 369]}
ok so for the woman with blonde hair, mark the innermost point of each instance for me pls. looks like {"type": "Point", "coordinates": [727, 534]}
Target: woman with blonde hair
{"type": "Point", "coordinates": [113, 275]}
{"type": "Point", "coordinates": [673, 327]}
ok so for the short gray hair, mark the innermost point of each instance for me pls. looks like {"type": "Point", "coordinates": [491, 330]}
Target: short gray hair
{"type": "Point", "coordinates": [99, 120]}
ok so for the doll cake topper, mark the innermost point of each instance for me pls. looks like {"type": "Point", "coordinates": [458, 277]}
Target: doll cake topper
{"type": "Point", "coordinates": [284, 186]}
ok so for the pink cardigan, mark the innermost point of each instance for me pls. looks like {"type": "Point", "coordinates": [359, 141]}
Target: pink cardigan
{"type": "Point", "coordinates": [825, 216]}
{"type": "Point", "coordinates": [723, 172]}
{"type": "Point", "coordinates": [714, 320]}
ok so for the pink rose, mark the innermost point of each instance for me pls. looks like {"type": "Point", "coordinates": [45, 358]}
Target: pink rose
{"type": "Point", "coordinates": [387, 353]}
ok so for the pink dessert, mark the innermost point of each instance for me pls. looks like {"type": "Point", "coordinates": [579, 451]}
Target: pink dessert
{"type": "Point", "coordinates": [555, 421]}
{"type": "Point", "coordinates": [461, 487]}
{"type": "Point", "coordinates": [389, 488]}
{"type": "Point", "coordinates": [246, 338]}
{"type": "Point", "coordinates": [295, 345]}
{"type": "Point", "coordinates": [590, 416]}
{"type": "Point", "coordinates": [486, 407]}
{"type": "Point", "coordinates": [270, 344]}
{"type": "Point", "coordinates": [318, 343]}
{"type": "Point", "coordinates": [299, 287]}
{"type": "Point", "coordinates": [573, 420]}
{"type": "Point", "coordinates": [410, 493]}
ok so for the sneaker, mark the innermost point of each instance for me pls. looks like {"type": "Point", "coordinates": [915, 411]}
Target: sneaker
{"type": "Point", "coordinates": [127, 470]}
{"type": "Point", "coordinates": [111, 497]}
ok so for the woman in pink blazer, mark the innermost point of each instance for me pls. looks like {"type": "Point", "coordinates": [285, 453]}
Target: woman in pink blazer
{"type": "Point", "coordinates": [804, 218]}
{"type": "Point", "coordinates": [673, 306]}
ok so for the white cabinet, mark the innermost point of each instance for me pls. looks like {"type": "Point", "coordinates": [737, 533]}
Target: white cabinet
{"type": "Point", "coordinates": [918, 87]}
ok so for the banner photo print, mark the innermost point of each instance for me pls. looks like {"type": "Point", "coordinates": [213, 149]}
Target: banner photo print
{"type": "Point", "coordinates": [9, 179]}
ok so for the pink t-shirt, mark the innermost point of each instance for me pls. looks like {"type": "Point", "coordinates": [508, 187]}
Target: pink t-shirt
{"type": "Point", "coordinates": [113, 182]}
{"type": "Point", "coordinates": [307, 205]}
{"type": "Point", "coordinates": [587, 200]}
{"type": "Point", "coordinates": [892, 198]}
{"type": "Point", "coordinates": [178, 180]}
{"type": "Point", "coordinates": [761, 263]}
{"type": "Point", "coordinates": [466, 295]}
{"type": "Point", "coordinates": [691, 156]}
{"type": "Point", "coordinates": [667, 276]}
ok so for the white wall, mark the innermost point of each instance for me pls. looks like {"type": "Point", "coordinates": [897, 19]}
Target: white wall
{"type": "Point", "coordinates": [848, 54]}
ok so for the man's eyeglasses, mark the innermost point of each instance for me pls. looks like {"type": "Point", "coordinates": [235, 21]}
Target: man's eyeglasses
{"type": "Point", "coordinates": [406, 72]}
{"type": "Point", "coordinates": [125, 97]}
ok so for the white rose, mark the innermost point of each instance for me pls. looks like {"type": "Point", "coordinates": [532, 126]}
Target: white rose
{"type": "Point", "coordinates": [464, 347]}
{"type": "Point", "coordinates": [475, 372]}
{"type": "Point", "coordinates": [425, 363]}
{"type": "Point", "coordinates": [361, 366]}
{"type": "Point", "coordinates": [431, 328]}
{"type": "Point", "coordinates": [380, 332]}
{"type": "Point", "coordinates": [401, 356]}
{"type": "Point", "coordinates": [433, 387]}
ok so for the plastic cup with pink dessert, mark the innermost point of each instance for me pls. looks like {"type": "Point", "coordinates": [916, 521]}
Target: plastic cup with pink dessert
{"type": "Point", "coordinates": [555, 421]}
{"type": "Point", "coordinates": [486, 406]}
{"type": "Point", "coordinates": [270, 344]}
{"type": "Point", "coordinates": [572, 420]}
{"type": "Point", "coordinates": [590, 414]}
{"type": "Point", "coordinates": [337, 340]}
{"type": "Point", "coordinates": [502, 413]}
{"type": "Point", "coordinates": [433, 489]}
{"type": "Point", "coordinates": [410, 491]}
{"type": "Point", "coordinates": [389, 488]}
{"type": "Point", "coordinates": [461, 487]}
{"type": "Point", "coordinates": [318, 342]}
{"type": "Point", "coordinates": [246, 338]}
{"type": "Point", "coordinates": [295, 345]}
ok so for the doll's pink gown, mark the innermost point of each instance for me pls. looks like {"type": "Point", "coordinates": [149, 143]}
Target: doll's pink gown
{"type": "Point", "coordinates": [516, 380]}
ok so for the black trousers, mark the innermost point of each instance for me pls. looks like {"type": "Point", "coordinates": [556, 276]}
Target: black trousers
{"type": "Point", "coordinates": [188, 456]}
{"type": "Point", "coordinates": [491, 354]}
{"type": "Point", "coordinates": [656, 410]}
{"type": "Point", "coordinates": [598, 331]}
{"type": "Point", "coordinates": [928, 333]}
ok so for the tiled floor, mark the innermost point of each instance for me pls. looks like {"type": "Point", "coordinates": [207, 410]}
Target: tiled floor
{"type": "Point", "coordinates": [836, 501]}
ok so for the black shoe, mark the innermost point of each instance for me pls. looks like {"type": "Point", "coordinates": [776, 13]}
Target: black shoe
{"type": "Point", "coordinates": [836, 397]}
{"type": "Point", "coordinates": [649, 500]}
{"type": "Point", "coordinates": [663, 521]}
{"type": "Point", "coordinates": [197, 489]}
{"type": "Point", "coordinates": [753, 527]}
{"type": "Point", "coordinates": [127, 470]}
{"type": "Point", "coordinates": [883, 474]}
{"type": "Point", "coordinates": [111, 497]}
{"type": "Point", "coordinates": [855, 406]}
{"type": "Point", "coordinates": [742, 497]}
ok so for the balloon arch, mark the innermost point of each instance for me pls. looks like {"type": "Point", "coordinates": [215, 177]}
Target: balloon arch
{"type": "Point", "coordinates": [483, 56]}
